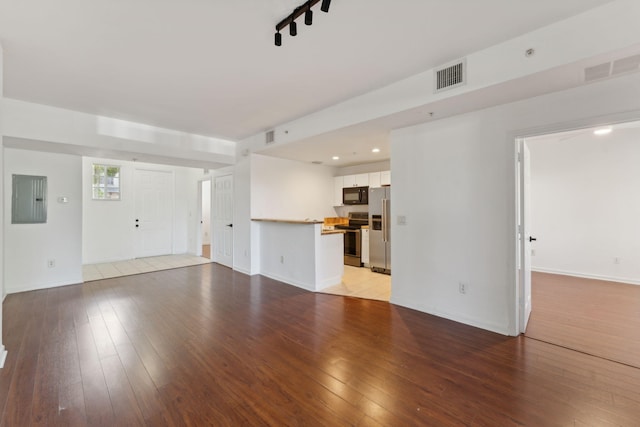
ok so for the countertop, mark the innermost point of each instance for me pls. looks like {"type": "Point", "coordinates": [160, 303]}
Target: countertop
{"type": "Point", "coordinates": [324, 232]}
{"type": "Point", "coordinates": [289, 221]}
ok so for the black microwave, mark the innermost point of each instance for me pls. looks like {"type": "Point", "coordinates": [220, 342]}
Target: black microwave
{"type": "Point", "coordinates": [355, 196]}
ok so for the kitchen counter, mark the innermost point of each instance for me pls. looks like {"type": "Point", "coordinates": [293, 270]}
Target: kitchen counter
{"type": "Point", "coordinates": [300, 252]}
{"type": "Point", "coordinates": [289, 221]}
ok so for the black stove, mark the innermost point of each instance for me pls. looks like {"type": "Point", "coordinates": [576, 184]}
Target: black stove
{"type": "Point", "coordinates": [352, 242]}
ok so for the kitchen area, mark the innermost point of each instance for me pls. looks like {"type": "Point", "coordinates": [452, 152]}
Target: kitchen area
{"type": "Point", "coordinates": [320, 227]}
{"type": "Point", "coordinates": [363, 202]}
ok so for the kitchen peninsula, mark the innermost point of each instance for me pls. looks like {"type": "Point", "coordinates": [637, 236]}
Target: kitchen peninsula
{"type": "Point", "coordinates": [300, 253]}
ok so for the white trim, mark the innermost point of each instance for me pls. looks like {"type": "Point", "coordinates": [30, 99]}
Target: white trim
{"type": "Point", "coordinates": [588, 276]}
{"type": "Point", "coordinates": [456, 317]}
{"type": "Point", "coordinates": [37, 287]}
{"type": "Point", "coordinates": [306, 286]}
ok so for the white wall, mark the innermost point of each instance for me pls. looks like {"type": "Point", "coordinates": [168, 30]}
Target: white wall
{"type": "Point", "coordinates": [108, 226]}
{"type": "Point", "coordinates": [384, 165]}
{"type": "Point", "coordinates": [454, 180]}
{"type": "Point", "coordinates": [287, 189]}
{"type": "Point", "coordinates": [246, 252]}
{"type": "Point", "coordinates": [91, 135]}
{"type": "Point", "coordinates": [3, 353]}
{"type": "Point", "coordinates": [584, 204]}
{"type": "Point", "coordinates": [28, 247]}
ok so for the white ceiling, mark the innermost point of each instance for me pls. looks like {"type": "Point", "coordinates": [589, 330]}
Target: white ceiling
{"type": "Point", "coordinates": [210, 67]}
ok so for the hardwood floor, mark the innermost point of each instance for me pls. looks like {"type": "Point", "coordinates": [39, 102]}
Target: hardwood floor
{"type": "Point", "coordinates": [206, 251]}
{"type": "Point", "coordinates": [593, 316]}
{"type": "Point", "coordinates": [204, 345]}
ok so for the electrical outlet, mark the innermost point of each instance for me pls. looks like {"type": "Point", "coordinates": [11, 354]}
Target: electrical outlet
{"type": "Point", "coordinates": [402, 220]}
{"type": "Point", "coordinates": [463, 287]}
{"type": "Point", "coordinates": [51, 263]}
{"type": "Point", "coordinates": [616, 260]}
{"type": "Point", "coordinates": [533, 252]}
{"type": "Point", "coordinates": [281, 259]}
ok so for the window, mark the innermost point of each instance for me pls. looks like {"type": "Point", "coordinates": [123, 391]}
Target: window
{"type": "Point", "coordinates": [106, 182]}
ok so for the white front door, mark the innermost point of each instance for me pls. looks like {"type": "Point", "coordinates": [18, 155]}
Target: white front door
{"type": "Point", "coordinates": [525, 236]}
{"type": "Point", "coordinates": [223, 220]}
{"type": "Point", "coordinates": [153, 209]}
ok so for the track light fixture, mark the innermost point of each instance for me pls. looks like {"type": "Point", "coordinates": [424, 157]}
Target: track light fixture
{"type": "Point", "coordinates": [308, 16]}
{"type": "Point", "coordinates": [297, 12]}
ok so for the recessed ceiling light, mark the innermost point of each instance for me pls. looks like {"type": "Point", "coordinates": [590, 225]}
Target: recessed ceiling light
{"type": "Point", "coordinates": [602, 131]}
{"type": "Point", "coordinates": [336, 158]}
{"type": "Point", "coordinates": [375, 150]}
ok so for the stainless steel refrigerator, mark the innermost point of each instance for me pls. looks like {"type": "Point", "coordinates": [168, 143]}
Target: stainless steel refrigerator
{"type": "Point", "coordinates": [380, 229]}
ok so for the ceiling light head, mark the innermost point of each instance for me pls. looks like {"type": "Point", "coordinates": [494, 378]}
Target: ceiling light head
{"type": "Point", "coordinates": [375, 150]}
{"type": "Point", "coordinates": [278, 39]}
{"type": "Point", "coordinates": [308, 17]}
{"type": "Point", "coordinates": [293, 29]}
{"type": "Point", "coordinates": [602, 131]}
{"type": "Point", "coordinates": [336, 158]}
{"type": "Point", "coordinates": [325, 5]}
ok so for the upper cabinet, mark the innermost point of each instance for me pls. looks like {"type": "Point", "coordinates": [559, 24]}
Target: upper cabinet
{"type": "Point", "coordinates": [374, 180]}
{"type": "Point", "coordinates": [338, 184]}
{"type": "Point", "coordinates": [379, 179]}
{"type": "Point", "coordinates": [360, 180]}
{"type": "Point", "coordinates": [385, 178]}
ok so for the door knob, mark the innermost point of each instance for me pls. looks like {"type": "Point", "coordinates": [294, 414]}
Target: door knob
{"type": "Point", "coordinates": [137, 225]}
{"type": "Point", "coordinates": [532, 239]}
{"type": "Point", "coordinates": [230, 225]}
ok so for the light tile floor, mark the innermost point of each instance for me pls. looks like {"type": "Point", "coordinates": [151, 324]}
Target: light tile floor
{"type": "Point", "coordinates": [362, 283]}
{"type": "Point", "coordinates": [140, 265]}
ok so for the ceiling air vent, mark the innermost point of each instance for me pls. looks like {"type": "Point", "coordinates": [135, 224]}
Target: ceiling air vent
{"type": "Point", "coordinates": [626, 65]}
{"type": "Point", "coordinates": [608, 69]}
{"type": "Point", "coordinates": [597, 72]}
{"type": "Point", "coordinates": [450, 75]}
{"type": "Point", "coordinates": [270, 137]}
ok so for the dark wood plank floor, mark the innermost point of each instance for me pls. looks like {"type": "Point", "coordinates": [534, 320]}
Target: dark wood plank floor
{"type": "Point", "coordinates": [597, 317]}
{"type": "Point", "coordinates": [204, 345]}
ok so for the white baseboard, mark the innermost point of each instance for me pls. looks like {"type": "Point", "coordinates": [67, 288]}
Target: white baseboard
{"type": "Point", "coordinates": [31, 287]}
{"type": "Point", "coordinates": [588, 276]}
{"type": "Point", "coordinates": [477, 323]}
{"type": "Point", "coordinates": [288, 281]}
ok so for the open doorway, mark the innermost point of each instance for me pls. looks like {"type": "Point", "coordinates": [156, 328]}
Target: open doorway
{"type": "Point", "coordinates": [585, 263]}
{"type": "Point", "coordinates": [205, 217]}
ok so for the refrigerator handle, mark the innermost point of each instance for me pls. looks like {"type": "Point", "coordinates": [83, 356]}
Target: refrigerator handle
{"type": "Point", "coordinates": [387, 220]}
{"type": "Point", "coordinates": [384, 220]}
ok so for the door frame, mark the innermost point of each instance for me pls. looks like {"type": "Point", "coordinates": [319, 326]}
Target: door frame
{"type": "Point", "coordinates": [589, 122]}
{"type": "Point", "coordinates": [199, 218]}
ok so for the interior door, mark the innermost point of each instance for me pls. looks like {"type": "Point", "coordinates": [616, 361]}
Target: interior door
{"type": "Point", "coordinates": [153, 209]}
{"type": "Point", "coordinates": [223, 220]}
{"type": "Point", "coordinates": [525, 235]}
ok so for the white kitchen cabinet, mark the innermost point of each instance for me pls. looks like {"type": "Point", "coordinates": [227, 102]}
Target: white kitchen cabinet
{"type": "Point", "coordinates": [349, 181]}
{"type": "Point", "coordinates": [338, 184]}
{"type": "Point", "coordinates": [364, 249]}
{"type": "Point", "coordinates": [385, 178]}
{"type": "Point", "coordinates": [362, 180]}
{"type": "Point", "coordinates": [359, 180]}
{"type": "Point", "coordinates": [374, 180]}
